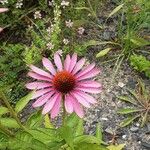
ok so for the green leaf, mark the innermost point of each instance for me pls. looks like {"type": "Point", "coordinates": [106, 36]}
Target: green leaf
{"type": "Point", "coordinates": [116, 147]}
{"type": "Point", "coordinates": [40, 135]}
{"type": "Point", "coordinates": [3, 110]}
{"type": "Point", "coordinates": [126, 99]}
{"type": "Point", "coordinates": [87, 139]}
{"type": "Point", "coordinates": [47, 122]}
{"type": "Point", "coordinates": [127, 110]}
{"type": "Point", "coordinates": [66, 133]}
{"type": "Point", "coordinates": [139, 42]}
{"type": "Point", "coordinates": [115, 10]}
{"type": "Point", "coordinates": [99, 132]}
{"type": "Point", "coordinates": [79, 128]}
{"type": "Point", "coordinates": [103, 52]}
{"type": "Point", "coordinates": [9, 122]}
{"type": "Point", "coordinates": [72, 120]}
{"type": "Point", "coordinates": [23, 102]}
{"type": "Point", "coordinates": [128, 121]}
{"type": "Point", "coordinates": [35, 120]}
{"type": "Point", "coordinates": [94, 43]}
{"type": "Point", "coordinates": [89, 146]}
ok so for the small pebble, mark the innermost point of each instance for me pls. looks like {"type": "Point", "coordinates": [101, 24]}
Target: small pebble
{"type": "Point", "coordinates": [105, 119]}
{"type": "Point", "coordinates": [120, 84]}
{"type": "Point", "coordinates": [134, 129]}
{"type": "Point", "coordinates": [124, 136]}
{"type": "Point", "coordinates": [137, 124]}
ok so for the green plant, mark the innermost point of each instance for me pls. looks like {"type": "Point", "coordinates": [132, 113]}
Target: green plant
{"type": "Point", "coordinates": [140, 99]}
{"type": "Point", "coordinates": [141, 64]}
{"type": "Point", "coordinates": [31, 134]}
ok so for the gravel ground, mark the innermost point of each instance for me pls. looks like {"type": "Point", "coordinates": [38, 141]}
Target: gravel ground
{"type": "Point", "coordinates": [105, 112]}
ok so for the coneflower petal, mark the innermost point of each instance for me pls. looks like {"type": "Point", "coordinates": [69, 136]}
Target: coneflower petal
{"type": "Point", "coordinates": [56, 107]}
{"type": "Point", "coordinates": [89, 90]}
{"type": "Point", "coordinates": [89, 74]}
{"type": "Point", "coordinates": [73, 62]}
{"type": "Point", "coordinates": [89, 83]}
{"type": "Point", "coordinates": [49, 66]}
{"type": "Point", "coordinates": [38, 77]}
{"type": "Point", "coordinates": [40, 71]}
{"type": "Point", "coordinates": [77, 107]}
{"type": "Point", "coordinates": [68, 104]}
{"type": "Point", "coordinates": [39, 93]}
{"type": "Point", "coordinates": [43, 99]}
{"type": "Point", "coordinates": [58, 62]}
{"type": "Point", "coordinates": [85, 70]}
{"type": "Point", "coordinates": [49, 105]}
{"type": "Point", "coordinates": [80, 99]}
{"type": "Point", "coordinates": [78, 66]}
{"type": "Point", "coordinates": [88, 98]}
{"type": "Point", "coordinates": [67, 63]}
{"type": "Point", "coordinates": [38, 85]}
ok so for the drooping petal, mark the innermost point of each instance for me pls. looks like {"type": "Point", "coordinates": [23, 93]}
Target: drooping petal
{"type": "Point", "coordinates": [73, 62]}
{"type": "Point", "coordinates": [41, 92]}
{"type": "Point", "coordinates": [76, 107]}
{"type": "Point", "coordinates": [49, 66]}
{"type": "Point", "coordinates": [43, 99]}
{"type": "Point", "coordinates": [90, 74]}
{"type": "Point", "coordinates": [56, 107]}
{"type": "Point", "coordinates": [85, 70]}
{"type": "Point", "coordinates": [38, 77]}
{"type": "Point", "coordinates": [89, 83]}
{"type": "Point", "coordinates": [1, 29]}
{"type": "Point", "coordinates": [40, 71]}
{"type": "Point", "coordinates": [67, 62]}
{"type": "Point", "coordinates": [80, 99]}
{"type": "Point", "coordinates": [50, 103]}
{"type": "Point", "coordinates": [89, 98]}
{"type": "Point", "coordinates": [38, 85]}
{"type": "Point", "coordinates": [89, 90]}
{"type": "Point", "coordinates": [58, 62]}
{"type": "Point", "coordinates": [78, 66]}
{"type": "Point", "coordinates": [68, 104]}
{"type": "Point", "coordinates": [3, 10]}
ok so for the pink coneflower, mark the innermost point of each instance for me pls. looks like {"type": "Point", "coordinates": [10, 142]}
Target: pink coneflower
{"type": "Point", "coordinates": [1, 11]}
{"type": "Point", "coordinates": [68, 83]}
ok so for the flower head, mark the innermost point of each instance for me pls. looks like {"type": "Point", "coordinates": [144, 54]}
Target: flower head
{"type": "Point", "coordinates": [81, 30]}
{"type": "Point", "coordinates": [65, 41]}
{"type": "Point", "coordinates": [68, 82]}
{"type": "Point", "coordinates": [37, 15]}
{"type": "Point", "coordinates": [64, 3]}
{"type": "Point", "coordinates": [69, 23]}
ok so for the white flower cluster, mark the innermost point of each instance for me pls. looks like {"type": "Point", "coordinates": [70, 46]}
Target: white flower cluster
{"type": "Point", "coordinates": [19, 4]}
{"type": "Point", "coordinates": [81, 30]}
{"type": "Point", "coordinates": [64, 3]}
{"type": "Point", "coordinates": [50, 45]}
{"type": "Point", "coordinates": [3, 2]}
{"type": "Point", "coordinates": [37, 15]}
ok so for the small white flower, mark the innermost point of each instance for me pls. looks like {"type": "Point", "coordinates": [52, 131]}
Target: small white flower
{"type": "Point", "coordinates": [81, 30]}
{"type": "Point", "coordinates": [51, 3]}
{"type": "Point", "coordinates": [69, 23]}
{"type": "Point", "coordinates": [50, 45]}
{"type": "Point", "coordinates": [64, 3]}
{"type": "Point", "coordinates": [3, 2]}
{"type": "Point", "coordinates": [37, 15]}
{"type": "Point", "coordinates": [65, 41]}
{"type": "Point", "coordinates": [49, 30]}
{"type": "Point", "coordinates": [19, 4]}
{"type": "Point", "coordinates": [120, 84]}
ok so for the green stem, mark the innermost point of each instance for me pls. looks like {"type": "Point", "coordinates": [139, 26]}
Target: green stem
{"type": "Point", "coordinates": [64, 112]}
{"type": "Point", "coordinates": [13, 113]}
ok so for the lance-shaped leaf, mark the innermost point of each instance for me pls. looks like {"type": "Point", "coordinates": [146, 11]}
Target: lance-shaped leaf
{"type": "Point", "coordinates": [127, 110]}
